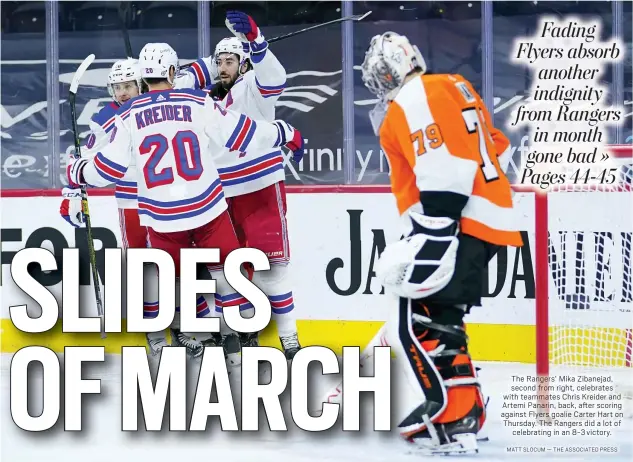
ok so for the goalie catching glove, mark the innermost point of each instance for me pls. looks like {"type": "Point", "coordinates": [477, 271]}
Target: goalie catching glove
{"type": "Point", "coordinates": [423, 263]}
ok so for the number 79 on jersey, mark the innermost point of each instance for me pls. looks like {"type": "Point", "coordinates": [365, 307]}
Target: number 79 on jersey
{"type": "Point", "coordinates": [474, 125]}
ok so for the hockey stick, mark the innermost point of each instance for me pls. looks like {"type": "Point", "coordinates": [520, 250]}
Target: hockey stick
{"type": "Point", "coordinates": [126, 35]}
{"type": "Point", "coordinates": [354, 17]}
{"type": "Point", "coordinates": [74, 85]}
{"type": "Point", "coordinates": [335, 394]}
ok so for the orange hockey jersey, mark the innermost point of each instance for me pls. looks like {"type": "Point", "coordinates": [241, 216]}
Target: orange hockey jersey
{"type": "Point", "coordinates": [443, 156]}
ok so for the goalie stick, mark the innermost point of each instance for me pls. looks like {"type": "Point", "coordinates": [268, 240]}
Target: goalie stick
{"type": "Point", "coordinates": [354, 17]}
{"type": "Point", "coordinates": [74, 85]}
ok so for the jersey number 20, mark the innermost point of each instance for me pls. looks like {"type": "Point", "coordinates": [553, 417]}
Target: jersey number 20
{"type": "Point", "coordinates": [185, 148]}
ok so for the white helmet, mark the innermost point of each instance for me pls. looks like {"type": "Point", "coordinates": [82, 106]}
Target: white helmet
{"type": "Point", "coordinates": [156, 59]}
{"type": "Point", "coordinates": [388, 60]}
{"type": "Point", "coordinates": [125, 70]}
{"type": "Point", "coordinates": [231, 45]}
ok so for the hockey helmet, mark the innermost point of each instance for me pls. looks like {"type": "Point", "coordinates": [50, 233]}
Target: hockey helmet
{"type": "Point", "coordinates": [232, 45]}
{"type": "Point", "coordinates": [125, 70]}
{"type": "Point", "coordinates": [156, 59]}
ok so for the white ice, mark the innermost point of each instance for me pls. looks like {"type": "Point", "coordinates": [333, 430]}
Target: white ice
{"type": "Point", "coordinates": [102, 440]}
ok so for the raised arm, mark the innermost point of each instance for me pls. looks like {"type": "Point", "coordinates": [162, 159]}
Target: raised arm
{"type": "Point", "coordinates": [269, 78]}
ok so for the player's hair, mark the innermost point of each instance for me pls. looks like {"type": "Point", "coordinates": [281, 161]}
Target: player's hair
{"type": "Point", "coordinates": [153, 80]}
{"type": "Point", "coordinates": [249, 65]}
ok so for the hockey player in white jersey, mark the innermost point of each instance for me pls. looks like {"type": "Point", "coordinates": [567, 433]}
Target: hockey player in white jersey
{"type": "Point", "coordinates": [247, 77]}
{"type": "Point", "coordinates": [170, 136]}
{"type": "Point", "coordinates": [124, 82]}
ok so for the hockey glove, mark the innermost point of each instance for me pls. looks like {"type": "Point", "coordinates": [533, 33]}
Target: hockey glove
{"type": "Point", "coordinates": [291, 138]}
{"type": "Point", "coordinates": [74, 172]}
{"type": "Point", "coordinates": [245, 29]}
{"type": "Point", "coordinates": [70, 208]}
{"type": "Point", "coordinates": [423, 263]}
{"type": "Point", "coordinates": [242, 26]}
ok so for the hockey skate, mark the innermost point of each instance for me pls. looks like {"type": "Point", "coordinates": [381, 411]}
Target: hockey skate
{"type": "Point", "coordinates": [452, 438]}
{"type": "Point", "coordinates": [155, 342]}
{"type": "Point", "coordinates": [232, 350]}
{"type": "Point", "coordinates": [213, 341]}
{"type": "Point", "coordinates": [194, 347]}
{"type": "Point", "coordinates": [249, 340]}
{"type": "Point", "coordinates": [291, 345]}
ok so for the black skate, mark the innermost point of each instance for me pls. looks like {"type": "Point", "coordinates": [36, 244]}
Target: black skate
{"type": "Point", "coordinates": [213, 341]}
{"type": "Point", "coordinates": [453, 438]}
{"type": "Point", "coordinates": [249, 340]}
{"type": "Point", "coordinates": [291, 345]}
{"type": "Point", "coordinates": [232, 349]}
{"type": "Point", "coordinates": [194, 347]}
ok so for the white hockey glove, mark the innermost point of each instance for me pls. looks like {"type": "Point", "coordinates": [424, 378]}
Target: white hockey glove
{"type": "Point", "coordinates": [70, 208]}
{"type": "Point", "coordinates": [74, 171]}
{"type": "Point", "coordinates": [423, 263]}
{"type": "Point", "coordinates": [291, 138]}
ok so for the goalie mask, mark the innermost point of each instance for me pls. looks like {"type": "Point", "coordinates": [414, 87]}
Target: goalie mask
{"type": "Point", "coordinates": [125, 70]}
{"type": "Point", "coordinates": [388, 60]}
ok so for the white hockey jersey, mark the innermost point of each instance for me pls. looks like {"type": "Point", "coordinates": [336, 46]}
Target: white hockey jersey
{"type": "Point", "coordinates": [101, 124]}
{"type": "Point", "coordinates": [170, 136]}
{"type": "Point", "coordinates": [254, 94]}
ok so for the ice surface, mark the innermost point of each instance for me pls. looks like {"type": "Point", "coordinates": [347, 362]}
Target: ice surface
{"type": "Point", "coordinates": [102, 440]}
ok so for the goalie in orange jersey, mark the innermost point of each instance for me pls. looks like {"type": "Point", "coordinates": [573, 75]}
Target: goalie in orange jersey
{"type": "Point", "coordinates": [447, 168]}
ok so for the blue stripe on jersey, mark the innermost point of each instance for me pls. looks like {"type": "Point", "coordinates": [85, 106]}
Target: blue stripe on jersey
{"type": "Point", "coordinates": [236, 131]}
{"type": "Point", "coordinates": [249, 136]}
{"type": "Point", "coordinates": [180, 202]}
{"type": "Point", "coordinates": [235, 168]}
{"type": "Point", "coordinates": [105, 113]}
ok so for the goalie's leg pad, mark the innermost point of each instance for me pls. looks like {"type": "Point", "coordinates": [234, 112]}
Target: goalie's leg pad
{"type": "Point", "coordinates": [420, 387]}
{"type": "Point", "coordinates": [444, 336]}
{"type": "Point", "coordinates": [431, 347]}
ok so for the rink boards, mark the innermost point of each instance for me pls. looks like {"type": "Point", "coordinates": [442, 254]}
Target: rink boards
{"type": "Point", "coordinates": [336, 236]}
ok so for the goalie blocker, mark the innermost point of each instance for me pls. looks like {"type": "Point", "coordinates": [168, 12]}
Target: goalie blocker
{"type": "Point", "coordinates": [456, 205]}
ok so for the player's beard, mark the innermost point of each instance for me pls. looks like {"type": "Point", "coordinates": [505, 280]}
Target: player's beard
{"type": "Point", "coordinates": [228, 85]}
